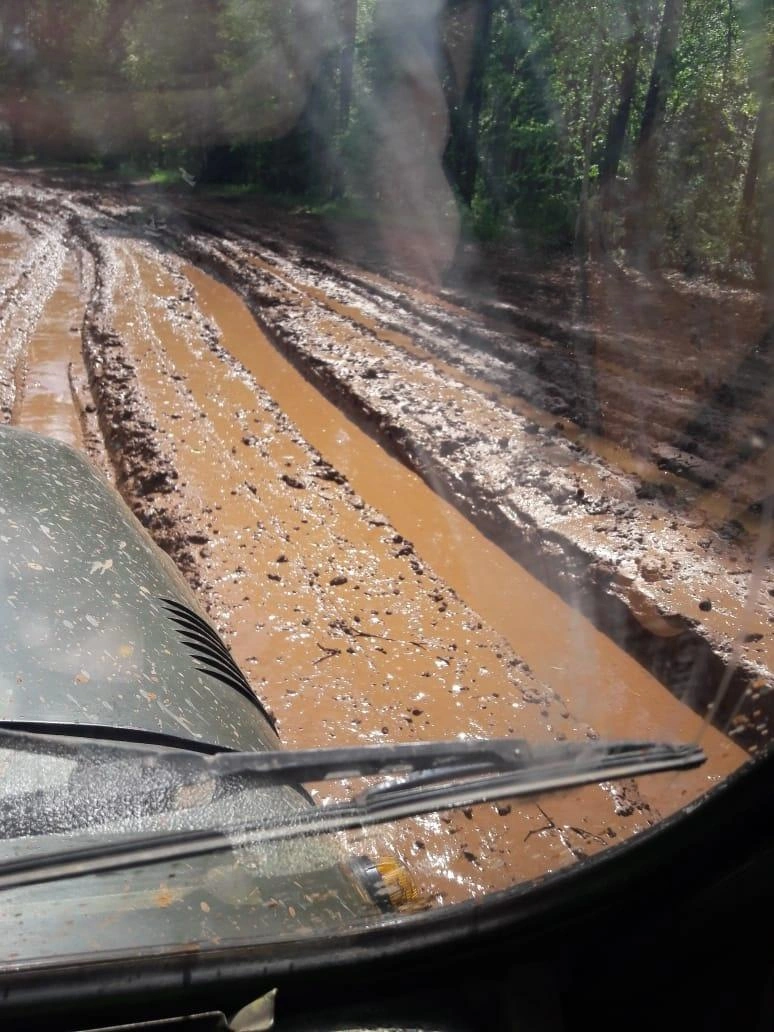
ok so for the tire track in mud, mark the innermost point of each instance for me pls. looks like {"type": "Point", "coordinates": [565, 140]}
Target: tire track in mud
{"type": "Point", "coordinates": [45, 279]}
{"type": "Point", "coordinates": [48, 402]}
{"type": "Point", "coordinates": [678, 417]}
{"type": "Point", "coordinates": [544, 500]}
{"type": "Point", "coordinates": [33, 277]}
{"type": "Point", "coordinates": [525, 372]}
{"type": "Point", "coordinates": [510, 371]}
{"type": "Point", "coordinates": [697, 427]}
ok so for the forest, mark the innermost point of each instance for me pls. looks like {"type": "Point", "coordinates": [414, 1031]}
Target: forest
{"type": "Point", "coordinates": [635, 127]}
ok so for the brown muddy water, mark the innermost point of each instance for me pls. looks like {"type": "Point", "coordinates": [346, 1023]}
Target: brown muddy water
{"type": "Point", "coordinates": [670, 542]}
{"type": "Point", "coordinates": [46, 403]}
{"type": "Point", "coordinates": [371, 301]}
{"type": "Point", "coordinates": [607, 688]}
{"type": "Point", "coordinates": [363, 607]}
{"type": "Point", "coordinates": [313, 589]}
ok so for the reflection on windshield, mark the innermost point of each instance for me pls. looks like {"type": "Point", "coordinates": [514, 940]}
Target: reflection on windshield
{"type": "Point", "coordinates": [433, 343]}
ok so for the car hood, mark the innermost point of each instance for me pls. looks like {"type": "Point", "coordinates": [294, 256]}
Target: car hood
{"type": "Point", "coordinates": [85, 634]}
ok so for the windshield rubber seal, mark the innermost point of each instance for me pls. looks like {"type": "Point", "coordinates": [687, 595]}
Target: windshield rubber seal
{"type": "Point", "coordinates": [118, 735]}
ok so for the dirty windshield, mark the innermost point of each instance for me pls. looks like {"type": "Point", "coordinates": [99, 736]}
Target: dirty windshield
{"type": "Point", "coordinates": [431, 342]}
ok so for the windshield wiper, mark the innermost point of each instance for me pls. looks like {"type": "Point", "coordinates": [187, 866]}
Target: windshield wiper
{"type": "Point", "coordinates": [441, 775]}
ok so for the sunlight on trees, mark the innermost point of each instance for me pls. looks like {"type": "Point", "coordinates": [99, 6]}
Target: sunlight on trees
{"type": "Point", "coordinates": [640, 128]}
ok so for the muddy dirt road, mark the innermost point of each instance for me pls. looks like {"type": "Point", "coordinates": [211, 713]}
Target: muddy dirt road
{"type": "Point", "coordinates": [396, 505]}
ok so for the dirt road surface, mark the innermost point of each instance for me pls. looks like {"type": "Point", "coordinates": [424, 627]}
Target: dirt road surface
{"type": "Point", "coordinates": [417, 511]}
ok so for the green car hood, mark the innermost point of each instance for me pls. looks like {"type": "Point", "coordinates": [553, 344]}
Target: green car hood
{"type": "Point", "coordinates": [85, 637]}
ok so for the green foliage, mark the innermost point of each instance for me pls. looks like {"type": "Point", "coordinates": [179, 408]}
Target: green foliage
{"type": "Point", "coordinates": [486, 219]}
{"type": "Point", "coordinates": [709, 125]}
{"type": "Point", "coordinates": [297, 97]}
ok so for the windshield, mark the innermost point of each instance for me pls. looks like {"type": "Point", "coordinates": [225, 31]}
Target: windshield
{"type": "Point", "coordinates": [432, 342]}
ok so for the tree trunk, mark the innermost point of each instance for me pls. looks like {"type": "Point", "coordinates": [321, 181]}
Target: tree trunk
{"type": "Point", "coordinates": [641, 235]}
{"type": "Point", "coordinates": [466, 102]}
{"type": "Point", "coordinates": [582, 222]}
{"type": "Point", "coordinates": [752, 237]}
{"type": "Point", "coordinates": [661, 79]}
{"type": "Point", "coordinates": [495, 168]}
{"type": "Point", "coordinates": [348, 26]}
{"type": "Point", "coordinates": [747, 203]}
{"type": "Point", "coordinates": [583, 351]}
{"type": "Point", "coordinates": [619, 119]}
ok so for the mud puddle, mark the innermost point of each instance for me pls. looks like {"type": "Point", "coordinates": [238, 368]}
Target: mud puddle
{"type": "Point", "coordinates": [550, 635]}
{"type": "Point", "coordinates": [533, 363]}
{"type": "Point", "coordinates": [607, 687]}
{"type": "Point", "coordinates": [433, 329]}
{"type": "Point", "coordinates": [636, 555]}
{"type": "Point", "coordinates": [342, 623]}
{"type": "Point", "coordinates": [417, 323]}
{"type": "Point", "coordinates": [360, 310]}
{"type": "Point", "coordinates": [642, 398]}
{"type": "Point", "coordinates": [336, 641]}
{"type": "Point", "coordinates": [47, 403]}
{"type": "Point", "coordinates": [32, 266]}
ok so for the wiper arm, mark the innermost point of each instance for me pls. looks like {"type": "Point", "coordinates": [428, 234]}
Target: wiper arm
{"type": "Point", "coordinates": [442, 775]}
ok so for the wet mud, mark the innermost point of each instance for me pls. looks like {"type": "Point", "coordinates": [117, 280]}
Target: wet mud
{"type": "Point", "coordinates": [396, 544]}
{"type": "Point", "coordinates": [47, 404]}
{"type": "Point", "coordinates": [633, 553]}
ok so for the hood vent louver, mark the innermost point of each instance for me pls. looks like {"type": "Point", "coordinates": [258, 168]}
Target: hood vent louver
{"type": "Point", "coordinates": [209, 652]}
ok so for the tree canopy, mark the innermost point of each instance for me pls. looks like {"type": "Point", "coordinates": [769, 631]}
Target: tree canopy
{"type": "Point", "coordinates": [642, 125]}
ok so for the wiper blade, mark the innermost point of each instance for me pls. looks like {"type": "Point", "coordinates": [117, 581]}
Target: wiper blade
{"type": "Point", "coordinates": [280, 767]}
{"type": "Point", "coordinates": [442, 775]}
{"type": "Point", "coordinates": [431, 762]}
